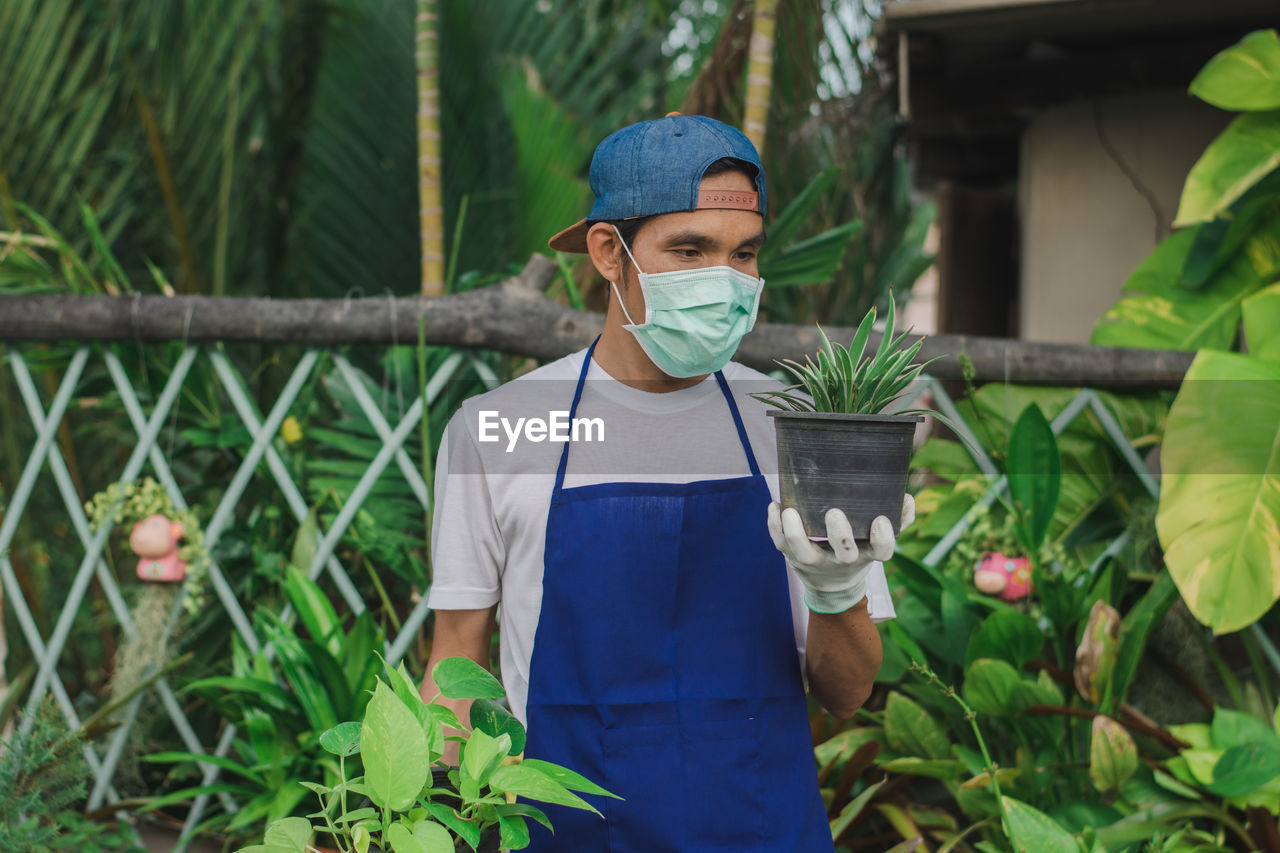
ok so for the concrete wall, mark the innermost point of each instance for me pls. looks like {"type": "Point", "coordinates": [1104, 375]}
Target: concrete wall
{"type": "Point", "coordinates": [1085, 225]}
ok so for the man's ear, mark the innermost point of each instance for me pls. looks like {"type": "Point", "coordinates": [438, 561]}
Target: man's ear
{"type": "Point", "coordinates": [604, 248]}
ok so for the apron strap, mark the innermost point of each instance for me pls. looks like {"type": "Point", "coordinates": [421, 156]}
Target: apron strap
{"type": "Point", "coordinates": [737, 422]}
{"type": "Point", "coordinates": [577, 396]}
{"type": "Point", "coordinates": [573, 411]}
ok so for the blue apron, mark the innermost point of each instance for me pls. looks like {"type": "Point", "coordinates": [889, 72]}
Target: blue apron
{"type": "Point", "coordinates": [664, 668]}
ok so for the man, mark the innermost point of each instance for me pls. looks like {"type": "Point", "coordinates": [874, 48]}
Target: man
{"type": "Point", "coordinates": [653, 635]}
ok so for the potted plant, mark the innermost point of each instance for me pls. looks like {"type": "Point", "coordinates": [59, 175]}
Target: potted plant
{"type": "Point", "coordinates": [400, 802]}
{"type": "Point", "coordinates": [836, 446]}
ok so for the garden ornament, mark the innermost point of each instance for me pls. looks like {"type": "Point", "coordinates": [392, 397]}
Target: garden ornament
{"type": "Point", "coordinates": [835, 579]}
{"type": "Point", "coordinates": [1005, 576]}
{"type": "Point", "coordinates": [155, 539]}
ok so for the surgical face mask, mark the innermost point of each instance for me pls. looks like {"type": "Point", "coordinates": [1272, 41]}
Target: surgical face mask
{"type": "Point", "coordinates": [695, 318]}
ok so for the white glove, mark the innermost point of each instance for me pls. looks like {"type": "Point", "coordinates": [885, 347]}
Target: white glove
{"type": "Point", "coordinates": [836, 579]}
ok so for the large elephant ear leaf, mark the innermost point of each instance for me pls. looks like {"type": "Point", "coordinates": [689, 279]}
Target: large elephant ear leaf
{"type": "Point", "coordinates": [1241, 156]}
{"type": "Point", "coordinates": [1219, 514]}
{"type": "Point", "coordinates": [1245, 76]}
{"type": "Point", "coordinates": [1155, 311]}
{"type": "Point", "coordinates": [1262, 323]}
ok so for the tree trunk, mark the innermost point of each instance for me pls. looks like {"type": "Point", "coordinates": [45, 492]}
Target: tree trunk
{"type": "Point", "coordinates": [760, 72]}
{"type": "Point", "coordinates": [430, 204]}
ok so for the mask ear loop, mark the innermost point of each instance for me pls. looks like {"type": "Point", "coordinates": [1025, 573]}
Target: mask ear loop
{"type": "Point", "coordinates": [626, 248]}
{"type": "Point", "coordinates": [639, 277]}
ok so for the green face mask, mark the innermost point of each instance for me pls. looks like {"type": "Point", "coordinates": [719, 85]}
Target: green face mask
{"type": "Point", "coordinates": [695, 318]}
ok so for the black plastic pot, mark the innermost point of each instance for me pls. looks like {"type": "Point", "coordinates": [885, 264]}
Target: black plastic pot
{"type": "Point", "coordinates": [857, 463]}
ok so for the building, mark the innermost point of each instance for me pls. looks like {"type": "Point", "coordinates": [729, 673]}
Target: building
{"type": "Point", "coordinates": [1055, 136]}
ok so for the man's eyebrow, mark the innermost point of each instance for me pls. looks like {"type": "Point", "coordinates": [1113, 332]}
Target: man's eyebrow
{"type": "Point", "coordinates": [703, 241]}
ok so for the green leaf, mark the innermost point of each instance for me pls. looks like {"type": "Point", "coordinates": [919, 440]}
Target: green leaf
{"type": "Point", "coordinates": [445, 717]}
{"type": "Point", "coordinates": [217, 760]}
{"type": "Point", "coordinates": [359, 662]}
{"type": "Point", "coordinates": [789, 221]}
{"type": "Point", "coordinates": [314, 609]}
{"type": "Point", "coordinates": [256, 690]}
{"type": "Point", "coordinates": [401, 839]}
{"type": "Point", "coordinates": [525, 810]}
{"type": "Point", "coordinates": [532, 783]}
{"type": "Point", "coordinates": [1135, 627]}
{"type": "Point", "coordinates": [1113, 756]}
{"type": "Point", "coordinates": [342, 740]}
{"type": "Point", "coordinates": [495, 720]}
{"type": "Point", "coordinates": [1155, 311]}
{"type": "Point", "coordinates": [1063, 601]}
{"type": "Point", "coordinates": [1007, 635]}
{"type": "Point", "coordinates": [407, 692]}
{"type": "Point", "coordinates": [288, 835]}
{"type": "Point", "coordinates": [933, 768]}
{"type": "Point", "coordinates": [513, 832]}
{"type": "Point", "coordinates": [1243, 154]}
{"type": "Point", "coordinates": [1219, 514]}
{"type": "Point", "coordinates": [1232, 728]}
{"type": "Point", "coordinates": [1219, 240]}
{"type": "Point", "coordinates": [1261, 313]}
{"type": "Point", "coordinates": [947, 459]}
{"type": "Point", "coordinates": [1245, 767]}
{"type": "Point", "coordinates": [567, 778]}
{"type": "Point", "coordinates": [1033, 831]}
{"type": "Point", "coordinates": [1035, 475]}
{"type": "Point", "coordinates": [482, 754]}
{"type": "Point", "coordinates": [1096, 655]}
{"type": "Point", "coordinates": [811, 261]}
{"type": "Point", "coordinates": [959, 619]}
{"type": "Point", "coordinates": [910, 730]}
{"type": "Point", "coordinates": [991, 687]}
{"type": "Point", "coordinates": [1245, 76]}
{"type": "Point", "coordinates": [465, 830]}
{"type": "Point", "coordinates": [855, 807]}
{"type": "Point", "coordinates": [463, 678]}
{"type": "Point", "coordinates": [310, 688]}
{"type": "Point", "coordinates": [394, 751]}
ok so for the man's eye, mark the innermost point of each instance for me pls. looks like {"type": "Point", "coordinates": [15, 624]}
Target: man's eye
{"type": "Point", "coordinates": [746, 256]}
{"type": "Point", "coordinates": [688, 253]}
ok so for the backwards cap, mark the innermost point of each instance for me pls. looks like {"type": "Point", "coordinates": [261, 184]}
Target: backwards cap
{"type": "Point", "coordinates": [655, 167]}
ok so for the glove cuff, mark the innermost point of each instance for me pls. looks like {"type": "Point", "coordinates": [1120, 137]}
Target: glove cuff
{"type": "Point", "coordinates": [836, 601]}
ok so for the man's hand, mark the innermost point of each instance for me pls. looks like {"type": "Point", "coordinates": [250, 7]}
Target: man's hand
{"type": "Point", "coordinates": [834, 580]}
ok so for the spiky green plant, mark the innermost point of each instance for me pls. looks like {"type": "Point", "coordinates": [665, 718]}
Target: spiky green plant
{"type": "Point", "coordinates": [846, 380]}
{"type": "Point", "coordinates": [41, 773]}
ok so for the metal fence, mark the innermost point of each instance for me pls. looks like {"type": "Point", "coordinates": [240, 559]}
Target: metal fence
{"type": "Point", "coordinates": [44, 459]}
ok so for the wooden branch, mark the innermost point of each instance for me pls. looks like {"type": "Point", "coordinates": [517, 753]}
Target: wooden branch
{"type": "Point", "coordinates": [515, 317]}
{"type": "Point", "coordinates": [1129, 717]}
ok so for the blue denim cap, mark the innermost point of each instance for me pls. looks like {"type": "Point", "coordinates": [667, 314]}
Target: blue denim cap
{"type": "Point", "coordinates": [654, 167]}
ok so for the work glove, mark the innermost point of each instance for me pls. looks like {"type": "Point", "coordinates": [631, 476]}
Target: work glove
{"type": "Point", "coordinates": [834, 579]}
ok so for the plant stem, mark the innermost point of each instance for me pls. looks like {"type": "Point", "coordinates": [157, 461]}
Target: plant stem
{"type": "Point", "coordinates": [972, 717]}
{"type": "Point", "coordinates": [1229, 679]}
{"type": "Point", "coordinates": [1257, 644]}
{"type": "Point", "coordinates": [382, 593]}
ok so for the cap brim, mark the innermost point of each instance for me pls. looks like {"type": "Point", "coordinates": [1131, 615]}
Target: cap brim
{"type": "Point", "coordinates": [572, 239]}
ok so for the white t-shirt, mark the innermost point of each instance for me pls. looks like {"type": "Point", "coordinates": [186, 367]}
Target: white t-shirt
{"type": "Point", "coordinates": [494, 482]}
